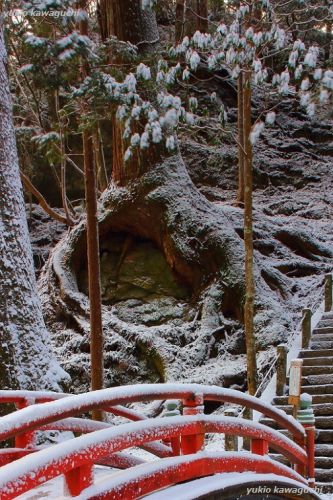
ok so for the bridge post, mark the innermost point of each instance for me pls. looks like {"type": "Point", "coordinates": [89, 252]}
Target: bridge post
{"type": "Point", "coordinates": [306, 418]}
{"type": "Point", "coordinates": [230, 442]}
{"type": "Point", "coordinates": [306, 328]}
{"type": "Point", "coordinates": [193, 443]}
{"type": "Point", "coordinates": [26, 439]}
{"type": "Point", "coordinates": [328, 293]}
{"type": "Point", "coordinates": [76, 480]}
{"type": "Point", "coordinates": [259, 447]}
{"type": "Point", "coordinates": [281, 369]}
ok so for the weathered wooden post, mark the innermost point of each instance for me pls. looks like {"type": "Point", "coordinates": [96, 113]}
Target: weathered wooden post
{"type": "Point", "coordinates": [281, 369]}
{"type": "Point", "coordinates": [306, 328]}
{"type": "Point", "coordinates": [295, 382]}
{"type": "Point", "coordinates": [248, 414]}
{"type": "Point", "coordinates": [306, 417]}
{"type": "Point", "coordinates": [328, 292]}
{"type": "Point", "coordinates": [230, 442]}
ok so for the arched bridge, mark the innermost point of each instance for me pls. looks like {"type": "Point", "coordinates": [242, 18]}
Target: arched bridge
{"type": "Point", "coordinates": [182, 468]}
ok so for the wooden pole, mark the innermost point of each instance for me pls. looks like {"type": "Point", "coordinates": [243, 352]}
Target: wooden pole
{"type": "Point", "coordinates": [328, 292]}
{"type": "Point", "coordinates": [230, 442]}
{"type": "Point", "coordinates": [240, 126]}
{"type": "Point", "coordinates": [281, 369]}
{"type": "Point", "coordinates": [94, 278]}
{"type": "Point", "coordinates": [306, 328]}
{"type": "Point", "coordinates": [248, 241]}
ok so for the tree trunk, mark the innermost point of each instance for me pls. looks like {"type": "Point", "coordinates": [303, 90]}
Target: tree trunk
{"type": "Point", "coordinates": [126, 20]}
{"type": "Point", "coordinates": [179, 24]}
{"type": "Point", "coordinates": [94, 272]}
{"type": "Point", "coordinates": [240, 126]}
{"type": "Point", "coordinates": [196, 16]}
{"type": "Point", "coordinates": [25, 350]}
{"type": "Point", "coordinates": [248, 240]}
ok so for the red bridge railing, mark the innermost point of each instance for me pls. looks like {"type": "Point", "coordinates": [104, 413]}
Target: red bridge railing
{"type": "Point", "coordinates": [25, 467]}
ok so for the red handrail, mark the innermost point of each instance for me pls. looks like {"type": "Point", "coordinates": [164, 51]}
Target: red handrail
{"type": "Point", "coordinates": [25, 474]}
{"type": "Point", "coordinates": [29, 419]}
{"type": "Point", "coordinates": [151, 477]}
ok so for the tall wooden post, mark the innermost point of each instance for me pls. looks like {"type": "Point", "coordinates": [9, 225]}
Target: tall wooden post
{"type": "Point", "coordinates": [281, 369]}
{"type": "Point", "coordinates": [230, 442]}
{"type": "Point", "coordinates": [306, 328]}
{"type": "Point", "coordinates": [94, 279]}
{"type": "Point", "coordinates": [248, 240]}
{"type": "Point", "coordinates": [328, 292]}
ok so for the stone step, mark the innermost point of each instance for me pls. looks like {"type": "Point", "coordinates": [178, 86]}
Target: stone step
{"type": "Point", "coordinates": [321, 379]}
{"type": "Point", "coordinates": [317, 361]}
{"type": "Point", "coordinates": [317, 370]}
{"type": "Point", "coordinates": [327, 315]}
{"type": "Point", "coordinates": [324, 329]}
{"type": "Point", "coordinates": [317, 398]}
{"type": "Point", "coordinates": [324, 463]}
{"type": "Point", "coordinates": [318, 389]}
{"type": "Point", "coordinates": [320, 345]}
{"type": "Point", "coordinates": [323, 466]}
{"type": "Point", "coordinates": [323, 488]}
{"type": "Point", "coordinates": [317, 380]}
{"type": "Point", "coordinates": [324, 475]}
{"type": "Point", "coordinates": [322, 337]}
{"type": "Point", "coordinates": [318, 409]}
{"type": "Point", "coordinates": [324, 436]}
{"type": "Point", "coordinates": [309, 353]}
{"type": "Point", "coordinates": [323, 323]}
{"type": "Point", "coordinates": [324, 450]}
{"type": "Point", "coordinates": [325, 422]}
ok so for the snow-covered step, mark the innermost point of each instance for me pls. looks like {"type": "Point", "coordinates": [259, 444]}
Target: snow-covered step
{"type": "Point", "coordinates": [317, 398]}
{"type": "Point", "coordinates": [322, 337]}
{"type": "Point", "coordinates": [317, 370]}
{"type": "Point", "coordinates": [322, 344]}
{"type": "Point", "coordinates": [323, 330]}
{"type": "Point", "coordinates": [318, 409]}
{"type": "Point", "coordinates": [318, 389]}
{"type": "Point", "coordinates": [321, 379]}
{"type": "Point", "coordinates": [324, 487]}
{"type": "Point", "coordinates": [327, 315]}
{"type": "Point", "coordinates": [324, 475]}
{"type": "Point", "coordinates": [324, 436]}
{"type": "Point", "coordinates": [324, 450]}
{"type": "Point", "coordinates": [324, 463]}
{"type": "Point", "coordinates": [323, 323]}
{"type": "Point", "coordinates": [325, 422]}
{"type": "Point", "coordinates": [308, 353]}
{"type": "Point", "coordinates": [317, 361]}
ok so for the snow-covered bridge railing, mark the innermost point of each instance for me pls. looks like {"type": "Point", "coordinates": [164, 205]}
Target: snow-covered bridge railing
{"type": "Point", "coordinates": [103, 443]}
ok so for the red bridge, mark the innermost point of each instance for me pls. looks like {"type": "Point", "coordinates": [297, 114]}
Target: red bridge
{"type": "Point", "coordinates": [176, 441]}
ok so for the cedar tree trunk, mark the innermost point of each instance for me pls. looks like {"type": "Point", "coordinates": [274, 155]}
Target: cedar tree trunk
{"type": "Point", "coordinates": [26, 353]}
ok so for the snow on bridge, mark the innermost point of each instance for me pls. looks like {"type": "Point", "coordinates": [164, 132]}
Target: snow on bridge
{"type": "Point", "coordinates": [176, 441]}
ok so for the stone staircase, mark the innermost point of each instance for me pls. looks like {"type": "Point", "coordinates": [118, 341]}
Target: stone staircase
{"type": "Point", "coordinates": [317, 380]}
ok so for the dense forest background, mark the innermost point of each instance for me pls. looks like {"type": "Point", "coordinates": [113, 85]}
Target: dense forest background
{"type": "Point", "coordinates": [121, 101]}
